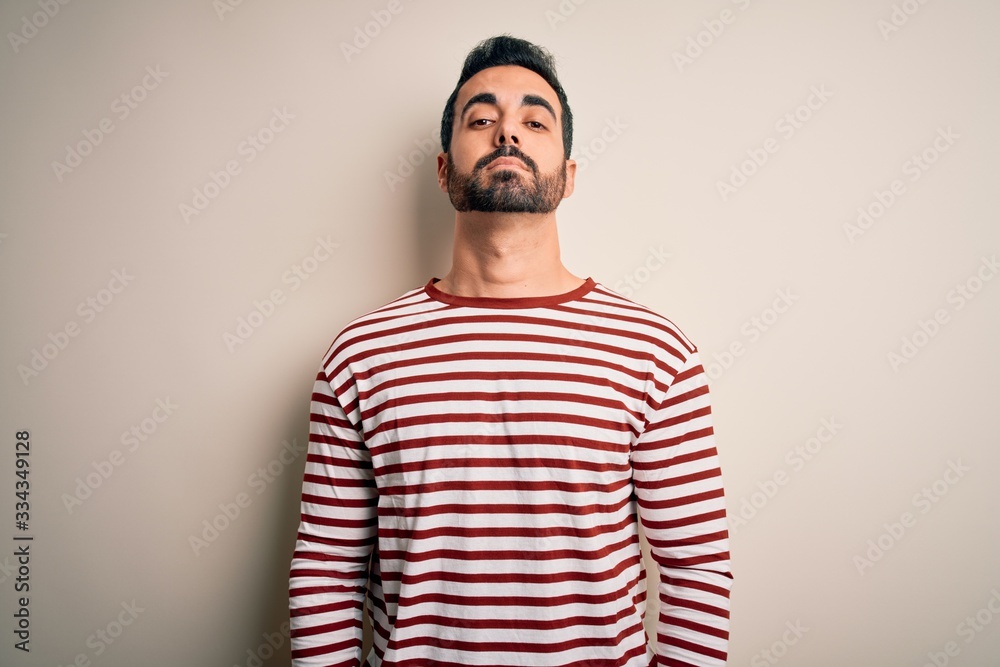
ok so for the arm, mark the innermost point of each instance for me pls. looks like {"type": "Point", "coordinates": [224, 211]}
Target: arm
{"type": "Point", "coordinates": [678, 485]}
{"type": "Point", "coordinates": [329, 569]}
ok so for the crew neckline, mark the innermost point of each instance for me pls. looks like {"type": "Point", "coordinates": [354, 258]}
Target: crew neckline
{"type": "Point", "coordinates": [507, 302]}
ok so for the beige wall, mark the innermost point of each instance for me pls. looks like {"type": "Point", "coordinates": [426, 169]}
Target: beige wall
{"type": "Point", "coordinates": [826, 442]}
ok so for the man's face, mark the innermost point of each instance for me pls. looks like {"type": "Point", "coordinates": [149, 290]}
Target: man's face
{"type": "Point", "coordinates": [506, 151]}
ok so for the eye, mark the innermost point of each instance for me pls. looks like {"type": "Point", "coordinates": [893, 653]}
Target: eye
{"type": "Point", "coordinates": [535, 125]}
{"type": "Point", "coordinates": [480, 122]}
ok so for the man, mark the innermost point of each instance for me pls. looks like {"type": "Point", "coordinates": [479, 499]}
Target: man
{"type": "Point", "coordinates": [482, 447]}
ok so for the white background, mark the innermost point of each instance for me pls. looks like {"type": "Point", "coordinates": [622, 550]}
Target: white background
{"type": "Point", "coordinates": [668, 100]}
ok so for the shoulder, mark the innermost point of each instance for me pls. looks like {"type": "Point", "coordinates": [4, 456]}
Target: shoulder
{"type": "Point", "coordinates": [673, 356]}
{"type": "Point", "coordinates": [379, 326]}
{"type": "Point", "coordinates": [643, 322]}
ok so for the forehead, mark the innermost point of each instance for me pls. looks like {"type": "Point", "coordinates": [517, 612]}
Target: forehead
{"type": "Point", "coordinates": [510, 83]}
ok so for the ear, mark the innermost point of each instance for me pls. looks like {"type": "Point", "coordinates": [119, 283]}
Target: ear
{"type": "Point", "coordinates": [442, 171]}
{"type": "Point", "coordinates": [570, 178]}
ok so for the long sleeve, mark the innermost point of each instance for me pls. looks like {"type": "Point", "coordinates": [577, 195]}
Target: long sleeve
{"type": "Point", "coordinates": [678, 486]}
{"type": "Point", "coordinates": [328, 577]}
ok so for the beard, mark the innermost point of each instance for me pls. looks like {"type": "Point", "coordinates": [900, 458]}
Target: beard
{"type": "Point", "coordinates": [506, 190]}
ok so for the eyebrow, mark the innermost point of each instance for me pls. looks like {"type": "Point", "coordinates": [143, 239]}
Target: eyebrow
{"type": "Point", "coordinates": [527, 100]}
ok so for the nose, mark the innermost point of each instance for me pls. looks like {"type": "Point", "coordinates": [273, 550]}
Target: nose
{"type": "Point", "coordinates": [507, 133]}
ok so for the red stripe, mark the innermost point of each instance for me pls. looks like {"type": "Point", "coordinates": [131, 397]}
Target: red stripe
{"type": "Point", "coordinates": [299, 653]}
{"type": "Point", "coordinates": [504, 485]}
{"type": "Point", "coordinates": [675, 460]}
{"type": "Point", "coordinates": [410, 579]}
{"type": "Point", "coordinates": [651, 525]}
{"type": "Point", "coordinates": [340, 605]}
{"type": "Point", "coordinates": [683, 500]}
{"type": "Point", "coordinates": [521, 647]}
{"type": "Point", "coordinates": [513, 554]}
{"type": "Point", "coordinates": [339, 481]}
{"type": "Point", "coordinates": [313, 499]}
{"type": "Point", "coordinates": [511, 623]}
{"type": "Point", "coordinates": [505, 531]}
{"type": "Point", "coordinates": [496, 508]}
{"type": "Point", "coordinates": [536, 440]}
{"type": "Point", "coordinates": [505, 464]}
{"type": "Point", "coordinates": [682, 479]}
{"type": "Point", "coordinates": [505, 376]}
{"type": "Point", "coordinates": [488, 417]}
{"type": "Point", "coordinates": [587, 662]}
{"type": "Point", "coordinates": [352, 623]}
{"type": "Point", "coordinates": [446, 397]}
{"type": "Point", "coordinates": [667, 640]}
{"type": "Point", "coordinates": [510, 601]}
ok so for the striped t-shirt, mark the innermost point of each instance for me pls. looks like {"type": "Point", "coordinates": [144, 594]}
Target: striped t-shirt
{"type": "Point", "coordinates": [475, 472]}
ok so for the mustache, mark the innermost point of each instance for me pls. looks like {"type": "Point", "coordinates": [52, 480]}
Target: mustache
{"type": "Point", "coordinates": [507, 151]}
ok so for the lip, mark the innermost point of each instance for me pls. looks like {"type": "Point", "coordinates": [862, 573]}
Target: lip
{"type": "Point", "coordinates": [506, 162]}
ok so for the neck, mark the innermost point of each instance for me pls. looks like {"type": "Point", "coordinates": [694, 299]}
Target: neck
{"type": "Point", "coordinates": [507, 255]}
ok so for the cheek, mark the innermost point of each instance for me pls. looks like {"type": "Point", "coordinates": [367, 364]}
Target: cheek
{"type": "Point", "coordinates": [551, 165]}
{"type": "Point", "coordinates": [465, 160]}
{"type": "Point", "coordinates": [547, 157]}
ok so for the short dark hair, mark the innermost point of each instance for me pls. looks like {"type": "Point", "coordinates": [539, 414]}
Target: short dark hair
{"type": "Point", "coordinates": [507, 50]}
